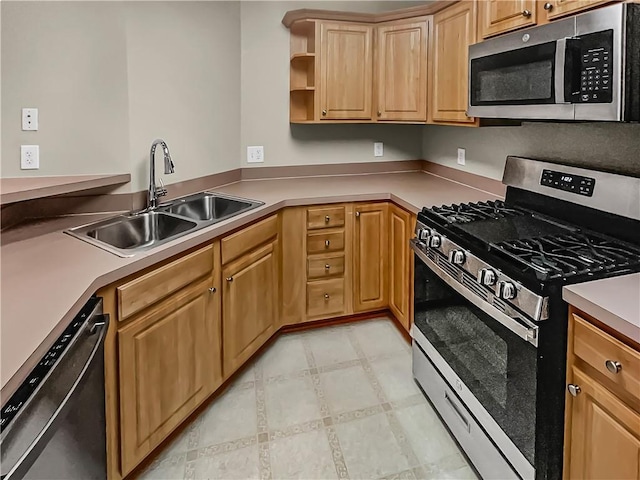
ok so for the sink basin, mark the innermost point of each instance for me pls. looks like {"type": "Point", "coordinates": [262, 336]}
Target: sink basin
{"type": "Point", "coordinates": [126, 235]}
{"type": "Point", "coordinates": [208, 207]}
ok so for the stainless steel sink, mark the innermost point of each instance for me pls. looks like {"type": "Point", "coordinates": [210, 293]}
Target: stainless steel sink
{"type": "Point", "coordinates": [126, 235]}
{"type": "Point", "coordinates": [208, 207]}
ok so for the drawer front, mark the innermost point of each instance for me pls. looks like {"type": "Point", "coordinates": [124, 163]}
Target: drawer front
{"type": "Point", "coordinates": [325, 297]}
{"type": "Point", "coordinates": [605, 353]}
{"type": "Point", "coordinates": [325, 217]}
{"type": "Point", "coordinates": [319, 242]}
{"type": "Point", "coordinates": [154, 286]}
{"type": "Point", "coordinates": [321, 267]}
{"type": "Point", "coordinates": [249, 238]}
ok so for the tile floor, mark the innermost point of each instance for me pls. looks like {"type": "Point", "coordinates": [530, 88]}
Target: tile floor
{"type": "Point", "coordinates": [337, 402]}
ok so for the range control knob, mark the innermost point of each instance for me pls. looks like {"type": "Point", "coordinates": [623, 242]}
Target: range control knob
{"type": "Point", "coordinates": [487, 277]}
{"type": "Point", "coordinates": [423, 234]}
{"type": "Point", "coordinates": [507, 290]}
{"type": "Point", "coordinates": [457, 257]}
{"type": "Point", "coordinates": [435, 241]}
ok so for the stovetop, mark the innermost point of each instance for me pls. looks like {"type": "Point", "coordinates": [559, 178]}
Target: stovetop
{"type": "Point", "coordinates": [535, 249]}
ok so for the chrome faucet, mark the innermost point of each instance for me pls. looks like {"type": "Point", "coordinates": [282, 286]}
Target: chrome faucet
{"type": "Point", "coordinates": [154, 191]}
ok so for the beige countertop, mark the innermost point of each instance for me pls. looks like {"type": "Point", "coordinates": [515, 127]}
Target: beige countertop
{"type": "Point", "coordinates": [613, 301]}
{"type": "Point", "coordinates": [27, 188]}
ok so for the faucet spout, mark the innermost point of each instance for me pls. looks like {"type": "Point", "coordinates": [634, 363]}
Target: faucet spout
{"type": "Point", "coordinates": [155, 192]}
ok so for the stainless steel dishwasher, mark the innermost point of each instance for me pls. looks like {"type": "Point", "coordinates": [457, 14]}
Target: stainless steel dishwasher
{"type": "Point", "coordinates": [53, 426]}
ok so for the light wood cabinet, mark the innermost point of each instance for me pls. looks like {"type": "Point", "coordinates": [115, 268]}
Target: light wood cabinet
{"type": "Point", "coordinates": [346, 71]}
{"type": "Point", "coordinates": [169, 359]}
{"type": "Point", "coordinates": [401, 228]}
{"type": "Point", "coordinates": [501, 16]}
{"type": "Point", "coordinates": [454, 29]}
{"type": "Point", "coordinates": [401, 71]}
{"type": "Point", "coordinates": [250, 296]}
{"type": "Point", "coordinates": [559, 8]}
{"type": "Point", "coordinates": [370, 262]}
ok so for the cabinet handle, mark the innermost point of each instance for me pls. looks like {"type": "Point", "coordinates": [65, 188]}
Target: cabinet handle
{"type": "Point", "coordinates": [212, 290]}
{"type": "Point", "coordinates": [526, 13]}
{"type": "Point", "coordinates": [574, 389]}
{"type": "Point", "coordinates": [613, 366]}
{"type": "Point", "coordinates": [548, 6]}
{"type": "Point", "coordinates": [327, 219]}
{"type": "Point", "coordinates": [326, 296]}
{"type": "Point", "coordinates": [379, 113]}
{"type": "Point", "coordinates": [324, 113]}
{"type": "Point", "coordinates": [229, 279]}
{"type": "Point", "coordinates": [357, 214]}
{"type": "Point", "coordinates": [327, 266]}
{"type": "Point", "coordinates": [327, 243]}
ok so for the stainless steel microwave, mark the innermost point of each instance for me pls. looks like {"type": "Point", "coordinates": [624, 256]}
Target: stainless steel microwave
{"type": "Point", "coordinates": [585, 67]}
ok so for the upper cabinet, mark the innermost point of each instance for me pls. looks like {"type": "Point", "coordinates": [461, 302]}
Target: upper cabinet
{"type": "Point", "coordinates": [559, 8]}
{"type": "Point", "coordinates": [500, 16]}
{"type": "Point", "coordinates": [346, 71]}
{"type": "Point", "coordinates": [454, 29]}
{"type": "Point", "coordinates": [401, 71]}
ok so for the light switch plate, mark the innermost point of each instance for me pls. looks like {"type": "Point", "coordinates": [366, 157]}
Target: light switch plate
{"type": "Point", "coordinates": [29, 157]}
{"type": "Point", "coordinates": [378, 149]}
{"type": "Point", "coordinates": [462, 156]}
{"type": "Point", "coordinates": [255, 154]}
{"type": "Point", "coordinates": [29, 119]}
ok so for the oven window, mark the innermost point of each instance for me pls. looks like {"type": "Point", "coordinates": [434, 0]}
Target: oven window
{"type": "Point", "coordinates": [518, 77]}
{"type": "Point", "coordinates": [497, 366]}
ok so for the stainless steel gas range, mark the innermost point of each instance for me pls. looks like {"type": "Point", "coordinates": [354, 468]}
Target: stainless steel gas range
{"type": "Point", "coordinates": [490, 325]}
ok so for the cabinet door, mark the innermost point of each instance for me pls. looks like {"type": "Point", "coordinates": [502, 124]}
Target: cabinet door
{"type": "Point", "coordinates": [454, 29]}
{"type": "Point", "coordinates": [249, 304]}
{"type": "Point", "coordinates": [169, 361]}
{"type": "Point", "coordinates": [560, 8]}
{"type": "Point", "coordinates": [401, 67]}
{"type": "Point", "coordinates": [370, 257]}
{"type": "Point", "coordinates": [605, 434]}
{"type": "Point", "coordinates": [401, 225]}
{"type": "Point", "coordinates": [346, 75]}
{"type": "Point", "coordinates": [500, 16]}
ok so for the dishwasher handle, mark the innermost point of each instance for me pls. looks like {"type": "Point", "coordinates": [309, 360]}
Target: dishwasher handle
{"type": "Point", "coordinates": [27, 437]}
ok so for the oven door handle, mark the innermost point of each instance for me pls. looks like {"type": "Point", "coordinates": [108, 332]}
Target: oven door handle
{"type": "Point", "coordinates": [520, 326]}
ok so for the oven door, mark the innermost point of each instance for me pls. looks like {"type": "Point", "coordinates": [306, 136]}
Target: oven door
{"type": "Point", "coordinates": [491, 365]}
{"type": "Point", "coordinates": [521, 75]}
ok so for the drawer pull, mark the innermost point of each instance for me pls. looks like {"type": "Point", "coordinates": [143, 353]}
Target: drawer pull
{"type": "Point", "coordinates": [357, 214]}
{"type": "Point", "coordinates": [327, 243]}
{"type": "Point", "coordinates": [613, 366]}
{"type": "Point", "coordinates": [526, 13]}
{"type": "Point", "coordinates": [327, 266]}
{"type": "Point", "coordinates": [229, 279]}
{"type": "Point", "coordinates": [548, 6]}
{"type": "Point", "coordinates": [457, 411]}
{"type": "Point", "coordinates": [326, 296]}
{"type": "Point", "coordinates": [327, 219]}
{"type": "Point", "coordinates": [574, 389]}
{"type": "Point", "coordinates": [212, 290]}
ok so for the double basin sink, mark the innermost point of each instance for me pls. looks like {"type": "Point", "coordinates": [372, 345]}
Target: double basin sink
{"type": "Point", "coordinates": [126, 235]}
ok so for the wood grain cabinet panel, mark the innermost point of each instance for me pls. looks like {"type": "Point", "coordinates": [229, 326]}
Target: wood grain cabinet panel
{"type": "Point", "coordinates": [501, 16]}
{"type": "Point", "coordinates": [248, 238]}
{"type": "Point", "coordinates": [325, 297]}
{"type": "Point", "coordinates": [605, 434]}
{"type": "Point", "coordinates": [401, 72]}
{"type": "Point", "coordinates": [325, 217]}
{"type": "Point", "coordinates": [325, 241]}
{"type": "Point", "coordinates": [401, 226]}
{"type": "Point", "coordinates": [370, 257]}
{"type": "Point", "coordinates": [454, 29]}
{"type": "Point", "coordinates": [249, 296]}
{"type": "Point", "coordinates": [169, 359]}
{"type": "Point", "coordinates": [560, 8]}
{"type": "Point", "coordinates": [325, 266]}
{"type": "Point", "coordinates": [346, 71]}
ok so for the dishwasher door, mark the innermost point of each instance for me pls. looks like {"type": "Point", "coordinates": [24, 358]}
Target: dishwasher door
{"type": "Point", "coordinates": [53, 427]}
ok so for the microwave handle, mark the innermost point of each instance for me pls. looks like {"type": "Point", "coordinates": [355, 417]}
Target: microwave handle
{"type": "Point", "coordinates": [560, 62]}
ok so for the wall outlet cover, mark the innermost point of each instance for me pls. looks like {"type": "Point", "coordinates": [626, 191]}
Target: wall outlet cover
{"type": "Point", "coordinates": [462, 156]}
{"type": "Point", "coordinates": [378, 149]}
{"type": "Point", "coordinates": [29, 157]}
{"type": "Point", "coordinates": [255, 154]}
{"type": "Point", "coordinates": [29, 119]}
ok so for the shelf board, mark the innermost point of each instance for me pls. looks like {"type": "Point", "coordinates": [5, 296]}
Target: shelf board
{"type": "Point", "coordinates": [302, 89]}
{"type": "Point", "coordinates": [302, 55]}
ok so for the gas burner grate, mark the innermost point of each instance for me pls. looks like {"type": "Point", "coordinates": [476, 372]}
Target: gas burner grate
{"type": "Point", "coordinates": [472, 212]}
{"type": "Point", "coordinates": [567, 255]}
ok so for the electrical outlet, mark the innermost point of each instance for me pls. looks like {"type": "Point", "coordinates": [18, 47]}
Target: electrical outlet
{"type": "Point", "coordinates": [29, 119]}
{"type": "Point", "coordinates": [461, 156]}
{"type": "Point", "coordinates": [378, 149]}
{"type": "Point", "coordinates": [255, 154]}
{"type": "Point", "coordinates": [29, 157]}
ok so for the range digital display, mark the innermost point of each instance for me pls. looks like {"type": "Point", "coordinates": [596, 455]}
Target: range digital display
{"type": "Point", "coordinates": [568, 183]}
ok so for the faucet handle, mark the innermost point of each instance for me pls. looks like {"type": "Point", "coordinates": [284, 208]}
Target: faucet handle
{"type": "Point", "coordinates": [162, 190]}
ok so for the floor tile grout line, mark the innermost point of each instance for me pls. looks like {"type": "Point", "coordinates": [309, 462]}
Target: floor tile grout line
{"type": "Point", "coordinates": [264, 453]}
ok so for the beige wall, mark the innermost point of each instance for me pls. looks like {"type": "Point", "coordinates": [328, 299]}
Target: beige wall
{"type": "Point", "coordinates": [265, 98]}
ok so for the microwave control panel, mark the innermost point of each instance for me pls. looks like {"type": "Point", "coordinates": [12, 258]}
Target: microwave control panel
{"type": "Point", "coordinates": [568, 183]}
{"type": "Point", "coordinates": [596, 67]}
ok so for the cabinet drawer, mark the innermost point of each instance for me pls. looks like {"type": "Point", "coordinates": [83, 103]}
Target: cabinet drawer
{"type": "Point", "coordinates": [325, 217]}
{"type": "Point", "coordinates": [324, 241]}
{"type": "Point", "coordinates": [325, 297]}
{"type": "Point", "coordinates": [330, 266]}
{"type": "Point", "coordinates": [155, 285]}
{"type": "Point", "coordinates": [600, 349]}
{"type": "Point", "coordinates": [249, 238]}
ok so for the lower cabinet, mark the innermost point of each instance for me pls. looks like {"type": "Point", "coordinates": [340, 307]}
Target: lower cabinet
{"type": "Point", "coordinates": [169, 362]}
{"type": "Point", "coordinates": [370, 257]}
{"type": "Point", "coordinates": [401, 227]}
{"type": "Point", "coordinates": [250, 296]}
